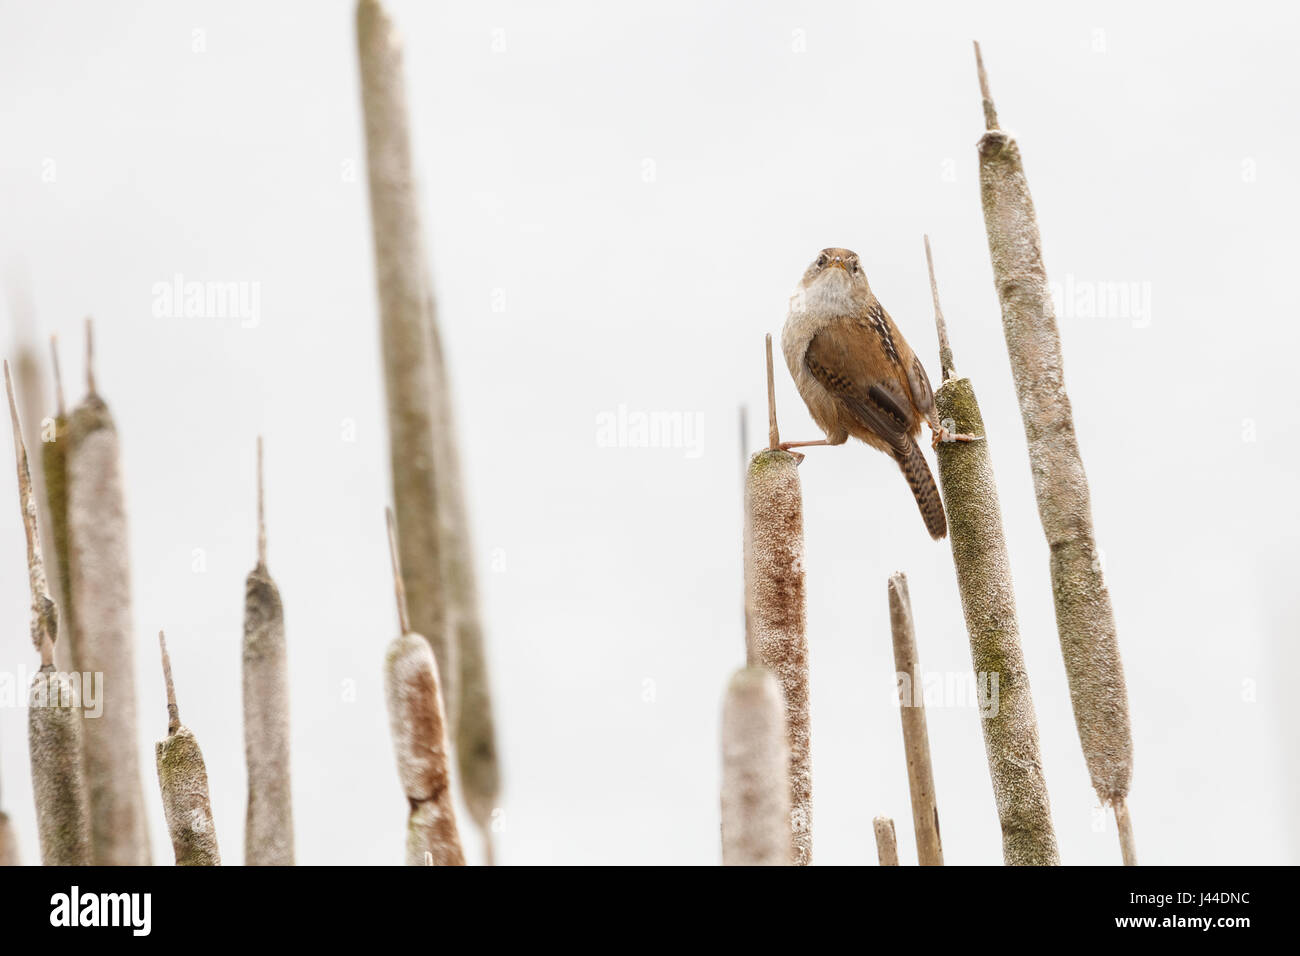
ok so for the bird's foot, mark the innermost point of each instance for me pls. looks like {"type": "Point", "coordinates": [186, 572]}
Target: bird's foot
{"type": "Point", "coordinates": [786, 446]}
{"type": "Point", "coordinates": [942, 434]}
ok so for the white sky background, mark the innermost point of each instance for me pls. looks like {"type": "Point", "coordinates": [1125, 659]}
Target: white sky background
{"type": "Point", "coordinates": [1166, 158]}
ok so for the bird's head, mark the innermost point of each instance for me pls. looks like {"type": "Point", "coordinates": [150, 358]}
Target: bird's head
{"type": "Point", "coordinates": [838, 266]}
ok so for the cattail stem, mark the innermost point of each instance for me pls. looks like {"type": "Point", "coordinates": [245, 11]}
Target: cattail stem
{"type": "Point", "coordinates": [945, 348]}
{"type": "Point", "coordinates": [405, 331]}
{"type": "Point", "coordinates": [979, 552]}
{"type": "Point", "coordinates": [8, 842]}
{"type": "Point", "coordinates": [99, 588]}
{"type": "Point", "coordinates": [268, 828]}
{"type": "Point", "coordinates": [45, 613]}
{"type": "Point", "coordinates": [173, 711]}
{"type": "Point", "coordinates": [755, 772]}
{"type": "Point", "coordinates": [419, 730]}
{"type": "Point", "coordinates": [54, 466]}
{"type": "Point", "coordinates": [1085, 619]}
{"type": "Point", "coordinates": [1124, 823]}
{"type": "Point", "coordinates": [90, 355]}
{"type": "Point", "coordinates": [54, 725]}
{"type": "Point", "coordinates": [776, 602]}
{"type": "Point", "coordinates": [773, 432]}
{"type": "Point", "coordinates": [183, 779]}
{"type": "Point", "coordinates": [916, 739]}
{"type": "Point", "coordinates": [261, 510]}
{"type": "Point", "coordinates": [886, 841]}
{"type": "Point", "coordinates": [60, 408]}
{"type": "Point", "coordinates": [33, 392]}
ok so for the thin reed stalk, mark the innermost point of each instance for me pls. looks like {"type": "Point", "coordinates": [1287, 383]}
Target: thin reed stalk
{"type": "Point", "coordinates": [419, 729]}
{"type": "Point", "coordinates": [1085, 619]}
{"type": "Point", "coordinates": [100, 591]}
{"type": "Point", "coordinates": [886, 841]}
{"type": "Point", "coordinates": [916, 739]}
{"type": "Point", "coordinates": [988, 601]}
{"type": "Point", "coordinates": [54, 726]}
{"type": "Point", "coordinates": [755, 772]}
{"type": "Point", "coordinates": [775, 598]}
{"type": "Point", "coordinates": [268, 829]}
{"type": "Point", "coordinates": [183, 779]}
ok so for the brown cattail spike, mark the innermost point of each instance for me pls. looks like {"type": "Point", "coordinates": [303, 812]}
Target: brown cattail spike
{"type": "Point", "coordinates": [1085, 616]}
{"type": "Point", "coordinates": [173, 712]}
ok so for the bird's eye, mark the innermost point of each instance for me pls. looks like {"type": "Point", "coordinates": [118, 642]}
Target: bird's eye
{"type": "Point", "coordinates": [821, 260]}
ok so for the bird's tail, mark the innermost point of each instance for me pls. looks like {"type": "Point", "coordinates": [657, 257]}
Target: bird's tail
{"type": "Point", "coordinates": [919, 479]}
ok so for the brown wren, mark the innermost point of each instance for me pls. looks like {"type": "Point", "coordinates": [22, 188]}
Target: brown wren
{"type": "Point", "coordinates": [858, 376]}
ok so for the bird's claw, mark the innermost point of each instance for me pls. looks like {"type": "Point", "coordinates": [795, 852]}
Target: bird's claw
{"type": "Point", "coordinates": [942, 434]}
{"type": "Point", "coordinates": [787, 447]}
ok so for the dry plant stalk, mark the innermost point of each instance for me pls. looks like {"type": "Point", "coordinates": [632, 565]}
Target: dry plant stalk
{"type": "Point", "coordinates": [405, 331]}
{"type": "Point", "coordinates": [184, 782]}
{"type": "Point", "coordinates": [886, 841]}
{"type": "Point", "coordinates": [419, 729]}
{"type": "Point", "coordinates": [988, 601]}
{"type": "Point", "coordinates": [54, 468]}
{"type": "Point", "coordinates": [755, 772]}
{"type": "Point", "coordinates": [29, 379]}
{"type": "Point", "coordinates": [268, 829]}
{"type": "Point", "coordinates": [54, 731]}
{"type": "Point", "coordinates": [775, 599]}
{"type": "Point", "coordinates": [8, 842]}
{"type": "Point", "coordinates": [476, 745]}
{"type": "Point", "coordinates": [100, 590]}
{"type": "Point", "coordinates": [916, 739]}
{"type": "Point", "coordinates": [1085, 619]}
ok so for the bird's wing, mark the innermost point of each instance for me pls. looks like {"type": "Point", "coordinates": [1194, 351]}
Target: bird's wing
{"type": "Point", "coordinates": [922, 393]}
{"type": "Point", "coordinates": [845, 359]}
{"type": "Point", "coordinates": [918, 383]}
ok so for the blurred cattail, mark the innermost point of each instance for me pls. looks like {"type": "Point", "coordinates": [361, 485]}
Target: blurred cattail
{"type": "Point", "coordinates": [988, 600]}
{"type": "Point", "coordinates": [476, 745]}
{"type": "Point", "coordinates": [54, 726]}
{"type": "Point", "coordinates": [268, 829]}
{"type": "Point", "coordinates": [100, 591]}
{"type": "Point", "coordinates": [54, 468]}
{"type": "Point", "coordinates": [1085, 619]}
{"type": "Point", "coordinates": [405, 331]}
{"type": "Point", "coordinates": [755, 772]}
{"type": "Point", "coordinates": [8, 842]}
{"type": "Point", "coordinates": [30, 383]}
{"type": "Point", "coordinates": [776, 604]}
{"type": "Point", "coordinates": [184, 783]}
{"type": "Point", "coordinates": [415, 717]}
{"type": "Point", "coordinates": [886, 841]}
{"type": "Point", "coordinates": [916, 739]}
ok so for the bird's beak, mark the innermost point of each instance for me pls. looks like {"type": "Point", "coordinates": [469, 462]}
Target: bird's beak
{"type": "Point", "coordinates": [838, 263]}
